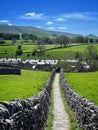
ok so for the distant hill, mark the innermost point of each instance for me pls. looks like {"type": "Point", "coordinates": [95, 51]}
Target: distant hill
{"type": "Point", "coordinates": [91, 36]}
{"type": "Point", "coordinates": [32, 30]}
{"type": "Point", "coordinates": [37, 31]}
{"type": "Point", "coordinates": [23, 29]}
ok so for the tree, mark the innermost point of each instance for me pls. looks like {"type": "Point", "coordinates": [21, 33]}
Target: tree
{"type": "Point", "coordinates": [86, 39]}
{"type": "Point", "coordinates": [97, 40]}
{"type": "Point", "coordinates": [80, 39]}
{"type": "Point", "coordinates": [91, 53]}
{"type": "Point", "coordinates": [62, 40]}
{"type": "Point", "coordinates": [34, 52]}
{"type": "Point", "coordinates": [1, 40]}
{"type": "Point", "coordinates": [79, 56]}
{"type": "Point", "coordinates": [79, 66]}
{"type": "Point", "coordinates": [14, 40]}
{"type": "Point", "coordinates": [91, 40]}
{"type": "Point", "coordinates": [41, 46]}
{"type": "Point", "coordinates": [19, 50]}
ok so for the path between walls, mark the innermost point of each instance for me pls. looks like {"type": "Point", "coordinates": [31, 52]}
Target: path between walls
{"type": "Point", "coordinates": [61, 121]}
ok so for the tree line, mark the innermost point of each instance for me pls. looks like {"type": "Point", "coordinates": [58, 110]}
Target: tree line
{"type": "Point", "coordinates": [63, 40]}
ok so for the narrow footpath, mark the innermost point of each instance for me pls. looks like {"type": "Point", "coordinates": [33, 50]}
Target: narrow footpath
{"type": "Point", "coordinates": [61, 121]}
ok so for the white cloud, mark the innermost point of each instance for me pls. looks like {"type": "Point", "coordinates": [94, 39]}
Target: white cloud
{"type": "Point", "coordinates": [62, 28]}
{"type": "Point", "coordinates": [79, 16]}
{"type": "Point", "coordinates": [32, 15]}
{"type": "Point", "coordinates": [60, 19]}
{"type": "Point", "coordinates": [51, 28]}
{"type": "Point", "coordinates": [38, 26]}
{"type": "Point", "coordinates": [9, 24]}
{"type": "Point", "coordinates": [4, 21]}
{"type": "Point", "coordinates": [74, 16]}
{"type": "Point", "coordinates": [49, 23]}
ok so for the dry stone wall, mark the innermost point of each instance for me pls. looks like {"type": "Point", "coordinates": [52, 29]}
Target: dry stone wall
{"type": "Point", "coordinates": [27, 114]}
{"type": "Point", "coordinates": [9, 70]}
{"type": "Point", "coordinates": [86, 111]}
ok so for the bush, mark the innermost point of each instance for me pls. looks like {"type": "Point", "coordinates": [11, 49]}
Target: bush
{"type": "Point", "coordinates": [19, 50]}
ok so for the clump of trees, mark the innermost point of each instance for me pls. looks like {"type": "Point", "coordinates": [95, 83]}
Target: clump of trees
{"type": "Point", "coordinates": [9, 36]}
{"type": "Point", "coordinates": [62, 40]}
{"type": "Point", "coordinates": [80, 39]}
{"type": "Point", "coordinates": [85, 61]}
{"type": "Point", "coordinates": [91, 57]}
{"type": "Point", "coordinates": [2, 41]}
{"type": "Point", "coordinates": [19, 50]}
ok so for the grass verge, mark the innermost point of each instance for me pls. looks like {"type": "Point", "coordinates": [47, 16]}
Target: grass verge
{"type": "Point", "coordinates": [49, 123]}
{"type": "Point", "coordinates": [73, 121]}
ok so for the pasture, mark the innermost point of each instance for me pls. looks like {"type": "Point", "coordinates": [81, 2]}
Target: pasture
{"type": "Point", "coordinates": [55, 51]}
{"type": "Point", "coordinates": [85, 84]}
{"type": "Point", "coordinates": [25, 48]}
{"type": "Point", "coordinates": [69, 52]}
{"type": "Point", "coordinates": [25, 85]}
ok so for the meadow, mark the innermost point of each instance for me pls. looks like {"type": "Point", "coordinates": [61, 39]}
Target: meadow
{"type": "Point", "coordinates": [25, 85]}
{"type": "Point", "coordinates": [85, 84]}
{"type": "Point", "coordinates": [25, 48]}
{"type": "Point", "coordinates": [9, 51]}
{"type": "Point", "coordinates": [69, 52]}
{"type": "Point", "coordinates": [55, 51]}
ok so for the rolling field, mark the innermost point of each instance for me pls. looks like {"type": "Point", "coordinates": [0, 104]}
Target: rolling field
{"type": "Point", "coordinates": [85, 84]}
{"type": "Point", "coordinates": [68, 52]}
{"type": "Point", "coordinates": [25, 48]}
{"type": "Point", "coordinates": [54, 53]}
{"type": "Point", "coordinates": [21, 86]}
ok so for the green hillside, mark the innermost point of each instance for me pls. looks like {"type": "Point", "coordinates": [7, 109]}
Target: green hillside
{"type": "Point", "coordinates": [91, 36]}
{"type": "Point", "coordinates": [23, 29]}
{"type": "Point", "coordinates": [32, 30]}
{"type": "Point", "coordinates": [52, 52]}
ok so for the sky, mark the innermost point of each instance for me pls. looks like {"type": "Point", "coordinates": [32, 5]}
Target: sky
{"type": "Point", "coordinates": [73, 16]}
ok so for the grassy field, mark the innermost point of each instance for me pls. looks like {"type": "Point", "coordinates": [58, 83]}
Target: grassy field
{"type": "Point", "coordinates": [55, 53]}
{"type": "Point", "coordinates": [21, 86]}
{"type": "Point", "coordinates": [17, 42]}
{"type": "Point", "coordinates": [25, 48]}
{"type": "Point", "coordinates": [86, 84]}
{"type": "Point", "coordinates": [69, 52]}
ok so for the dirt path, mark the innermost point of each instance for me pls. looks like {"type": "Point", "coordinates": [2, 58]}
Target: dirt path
{"type": "Point", "coordinates": [61, 121]}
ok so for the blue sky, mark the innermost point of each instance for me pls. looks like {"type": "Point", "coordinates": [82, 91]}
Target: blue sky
{"type": "Point", "coordinates": [74, 16]}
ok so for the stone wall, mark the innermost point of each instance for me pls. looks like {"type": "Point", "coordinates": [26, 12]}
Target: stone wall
{"type": "Point", "coordinates": [86, 111]}
{"type": "Point", "coordinates": [9, 70]}
{"type": "Point", "coordinates": [27, 114]}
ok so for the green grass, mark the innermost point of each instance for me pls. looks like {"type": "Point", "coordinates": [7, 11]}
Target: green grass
{"type": "Point", "coordinates": [85, 84]}
{"type": "Point", "coordinates": [25, 48]}
{"type": "Point", "coordinates": [17, 42]}
{"type": "Point", "coordinates": [21, 86]}
{"type": "Point", "coordinates": [49, 122]}
{"type": "Point", "coordinates": [60, 53]}
{"type": "Point", "coordinates": [69, 52]}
